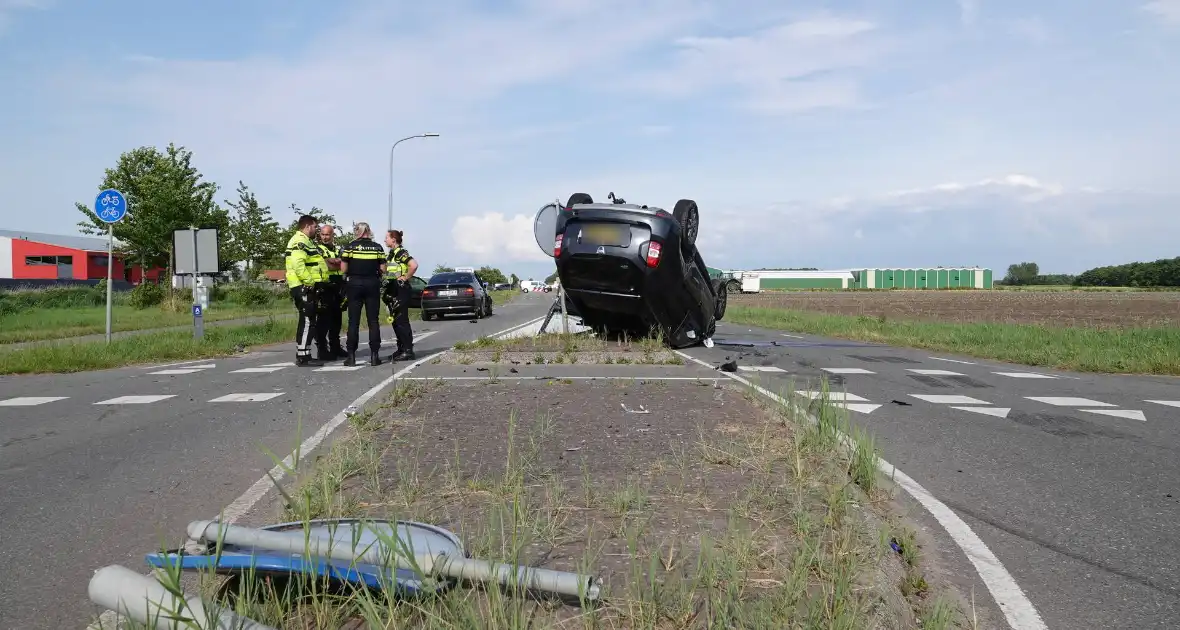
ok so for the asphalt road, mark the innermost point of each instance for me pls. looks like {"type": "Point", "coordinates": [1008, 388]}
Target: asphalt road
{"type": "Point", "coordinates": [1072, 480]}
{"type": "Point", "coordinates": [96, 468]}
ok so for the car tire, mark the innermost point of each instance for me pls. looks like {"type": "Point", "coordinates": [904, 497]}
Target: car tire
{"type": "Point", "coordinates": [688, 216]}
{"type": "Point", "coordinates": [425, 316]}
{"type": "Point", "coordinates": [721, 299]}
{"type": "Point", "coordinates": [579, 198]}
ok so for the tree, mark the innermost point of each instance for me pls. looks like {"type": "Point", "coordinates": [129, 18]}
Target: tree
{"type": "Point", "coordinates": [551, 278]}
{"type": "Point", "coordinates": [255, 238]}
{"type": "Point", "coordinates": [320, 215]}
{"type": "Point", "coordinates": [164, 193]}
{"type": "Point", "coordinates": [515, 280]}
{"type": "Point", "coordinates": [1022, 274]}
{"type": "Point", "coordinates": [491, 275]}
{"type": "Point", "coordinates": [442, 268]}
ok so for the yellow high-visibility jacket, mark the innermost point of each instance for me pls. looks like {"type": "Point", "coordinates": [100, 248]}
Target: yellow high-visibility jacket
{"type": "Point", "coordinates": [305, 262]}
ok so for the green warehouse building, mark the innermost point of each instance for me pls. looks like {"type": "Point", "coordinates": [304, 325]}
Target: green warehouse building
{"type": "Point", "coordinates": [922, 278]}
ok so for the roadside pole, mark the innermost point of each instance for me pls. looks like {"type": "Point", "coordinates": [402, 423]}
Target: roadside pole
{"type": "Point", "coordinates": [565, 320]}
{"type": "Point", "coordinates": [195, 254]}
{"type": "Point", "coordinates": [111, 206]}
{"type": "Point", "coordinates": [198, 313]}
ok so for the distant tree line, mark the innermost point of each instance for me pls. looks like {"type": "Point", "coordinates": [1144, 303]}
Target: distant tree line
{"type": "Point", "coordinates": [1164, 272]}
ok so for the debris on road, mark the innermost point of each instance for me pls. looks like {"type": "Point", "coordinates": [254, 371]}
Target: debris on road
{"type": "Point", "coordinates": [728, 366]}
{"type": "Point", "coordinates": [639, 410]}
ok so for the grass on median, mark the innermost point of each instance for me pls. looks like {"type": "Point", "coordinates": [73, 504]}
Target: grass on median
{"type": "Point", "coordinates": [1111, 350]}
{"type": "Point", "coordinates": [56, 323]}
{"type": "Point", "coordinates": [769, 523]}
{"type": "Point", "coordinates": [69, 357]}
{"type": "Point", "coordinates": [561, 348]}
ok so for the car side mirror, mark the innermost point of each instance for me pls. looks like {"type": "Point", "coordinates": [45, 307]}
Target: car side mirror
{"type": "Point", "coordinates": [545, 228]}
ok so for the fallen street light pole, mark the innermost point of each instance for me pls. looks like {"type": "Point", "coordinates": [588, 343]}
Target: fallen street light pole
{"type": "Point", "coordinates": [144, 600]}
{"type": "Point", "coordinates": [584, 587]}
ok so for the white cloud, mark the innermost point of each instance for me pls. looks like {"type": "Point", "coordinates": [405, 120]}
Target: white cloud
{"type": "Point", "coordinates": [968, 11]}
{"type": "Point", "coordinates": [9, 8]}
{"type": "Point", "coordinates": [1167, 11]}
{"type": "Point", "coordinates": [495, 239]}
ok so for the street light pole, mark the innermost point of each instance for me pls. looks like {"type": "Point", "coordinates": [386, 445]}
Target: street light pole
{"type": "Point", "coordinates": [423, 135]}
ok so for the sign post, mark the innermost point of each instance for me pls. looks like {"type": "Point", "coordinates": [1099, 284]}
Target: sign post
{"type": "Point", "coordinates": [111, 206]}
{"type": "Point", "coordinates": [196, 252]}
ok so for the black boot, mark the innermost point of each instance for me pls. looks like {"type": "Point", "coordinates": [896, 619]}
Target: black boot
{"type": "Point", "coordinates": [350, 358]}
{"type": "Point", "coordinates": [340, 353]}
{"type": "Point", "coordinates": [403, 355]}
{"type": "Point", "coordinates": [307, 362]}
{"type": "Point", "coordinates": [375, 359]}
{"type": "Point", "coordinates": [325, 356]}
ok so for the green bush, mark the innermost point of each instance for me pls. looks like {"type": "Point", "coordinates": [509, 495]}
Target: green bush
{"type": "Point", "coordinates": [146, 294]}
{"type": "Point", "coordinates": [250, 295]}
{"type": "Point", "coordinates": [52, 297]}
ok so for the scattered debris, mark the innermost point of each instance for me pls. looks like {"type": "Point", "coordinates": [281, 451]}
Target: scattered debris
{"type": "Point", "coordinates": [729, 366]}
{"type": "Point", "coordinates": [895, 545]}
{"type": "Point", "coordinates": [709, 342]}
{"type": "Point", "coordinates": [640, 410]}
{"type": "Point", "coordinates": [901, 402]}
{"type": "Point", "coordinates": [514, 370]}
{"type": "Point", "coordinates": [350, 410]}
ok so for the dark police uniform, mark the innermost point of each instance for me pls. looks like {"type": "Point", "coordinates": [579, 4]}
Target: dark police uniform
{"type": "Point", "coordinates": [306, 272]}
{"type": "Point", "coordinates": [398, 301]}
{"type": "Point", "coordinates": [329, 312]}
{"type": "Point", "coordinates": [363, 288]}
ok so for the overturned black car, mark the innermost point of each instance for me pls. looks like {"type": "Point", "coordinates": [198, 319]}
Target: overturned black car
{"type": "Point", "coordinates": [634, 269]}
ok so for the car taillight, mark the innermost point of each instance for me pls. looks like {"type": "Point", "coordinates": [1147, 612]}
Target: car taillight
{"type": "Point", "coordinates": [427, 293]}
{"type": "Point", "coordinates": [557, 246]}
{"type": "Point", "coordinates": [653, 254]}
{"type": "Point", "coordinates": [469, 291]}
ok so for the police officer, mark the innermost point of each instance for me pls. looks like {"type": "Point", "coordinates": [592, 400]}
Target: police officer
{"type": "Point", "coordinates": [400, 266]}
{"type": "Point", "coordinates": [329, 311]}
{"type": "Point", "coordinates": [363, 263]}
{"type": "Point", "coordinates": [306, 272]}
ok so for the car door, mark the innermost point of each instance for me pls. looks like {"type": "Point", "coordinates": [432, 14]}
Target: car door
{"type": "Point", "coordinates": [416, 286]}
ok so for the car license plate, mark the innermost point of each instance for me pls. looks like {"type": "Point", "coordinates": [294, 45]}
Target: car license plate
{"type": "Point", "coordinates": [606, 234]}
{"type": "Point", "coordinates": [448, 293]}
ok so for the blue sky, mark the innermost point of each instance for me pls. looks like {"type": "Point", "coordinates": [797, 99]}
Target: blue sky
{"type": "Point", "coordinates": [831, 134]}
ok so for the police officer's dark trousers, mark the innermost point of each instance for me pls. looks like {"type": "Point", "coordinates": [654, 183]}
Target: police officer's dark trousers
{"type": "Point", "coordinates": [401, 323]}
{"type": "Point", "coordinates": [304, 299]}
{"type": "Point", "coordinates": [364, 292]}
{"type": "Point", "coordinates": [328, 320]}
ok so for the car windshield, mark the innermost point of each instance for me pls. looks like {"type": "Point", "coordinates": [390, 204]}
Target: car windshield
{"type": "Point", "coordinates": [451, 278]}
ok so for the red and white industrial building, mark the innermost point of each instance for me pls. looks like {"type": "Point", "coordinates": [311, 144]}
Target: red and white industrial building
{"type": "Point", "coordinates": [38, 256]}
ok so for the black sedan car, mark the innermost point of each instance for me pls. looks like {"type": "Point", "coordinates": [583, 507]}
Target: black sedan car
{"type": "Point", "coordinates": [633, 269]}
{"type": "Point", "coordinates": [455, 292]}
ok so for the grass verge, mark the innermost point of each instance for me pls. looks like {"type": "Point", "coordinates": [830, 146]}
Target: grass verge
{"type": "Point", "coordinates": [1121, 351]}
{"type": "Point", "coordinates": [70, 357]}
{"type": "Point", "coordinates": [56, 323]}
{"type": "Point", "coordinates": [762, 519]}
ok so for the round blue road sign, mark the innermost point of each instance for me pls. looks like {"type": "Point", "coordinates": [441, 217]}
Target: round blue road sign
{"type": "Point", "coordinates": [110, 205]}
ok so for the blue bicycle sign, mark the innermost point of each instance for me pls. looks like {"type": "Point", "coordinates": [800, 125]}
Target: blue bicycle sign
{"type": "Point", "coordinates": [110, 205]}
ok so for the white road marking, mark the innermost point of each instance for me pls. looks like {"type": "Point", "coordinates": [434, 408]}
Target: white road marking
{"type": "Point", "coordinates": [170, 365]}
{"type": "Point", "coordinates": [833, 396]}
{"type": "Point", "coordinates": [760, 368]}
{"type": "Point", "coordinates": [999, 412]}
{"type": "Point", "coordinates": [30, 401]}
{"type": "Point", "coordinates": [861, 407]}
{"type": "Point", "coordinates": [1068, 401]}
{"type": "Point", "coordinates": [1170, 403]}
{"type": "Point", "coordinates": [1130, 414]}
{"type": "Point", "coordinates": [793, 336]}
{"type": "Point", "coordinates": [276, 365]}
{"type": "Point", "coordinates": [261, 397]}
{"type": "Point", "coordinates": [951, 360]}
{"type": "Point", "coordinates": [255, 370]}
{"type": "Point", "coordinates": [950, 399]}
{"type": "Point", "coordinates": [340, 368]}
{"type": "Point", "coordinates": [177, 371]}
{"type": "Point", "coordinates": [936, 372]}
{"type": "Point", "coordinates": [1017, 609]}
{"type": "Point", "coordinates": [1023, 375]}
{"type": "Point", "coordinates": [848, 371]}
{"type": "Point", "coordinates": [136, 400]}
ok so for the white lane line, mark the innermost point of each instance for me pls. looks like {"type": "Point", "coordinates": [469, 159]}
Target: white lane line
{"type": "Point", "coordinates": [760, 368]}
{"type": "Point", "coordinates": [135, 400]}
{"type": "Point", "coordinates": [178, 371]}
{"type": "Point", "coordinates": [792, 336]}
{"type": "Point", "coordinates": [942, 399]}
{"type": "Point", "coordinates": [1017, 609]}
{"type": "Point", "coordinates": [1170, 403]}
{"type": "Point", "coordinates": [256, 370]}
{"type": "Point", "coordinates": [862, 407]}
{"type": "Point", "coordinates": [834, 396]}
{"type": "Point", "coordinates": [261, 397]}
{"type": "Point", "coordinates": [1068, 401]}
{"type": "Point", "coordinates": [340, 368]}
{"type": "Point", "coordinates": [30, 401]}
{"type": "Point", "coordinates": [848, 371]}
{"type": "Point", "coordinates": [999, 412]}
{"type": "Point", "coordinates": [277, 365]}
{"type": "Point", "coordinates": [1130, 414]}
{"type": "Point", "coordinates": [1023, 375]}
{"type": "Point", "coordinates": [936, 372]}
{"type": "Point", "coordinates": [951, 360]}
{"type": "Point", "coordinates": [171, 365]}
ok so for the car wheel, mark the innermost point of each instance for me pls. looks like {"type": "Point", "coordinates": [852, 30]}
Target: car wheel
{"type": "Point", "coordinates": [425, 316]}
{"type": "Point", "coordinates": [721, 300]}
{"type": "Point", "coordinates": [733, 286]}
{"type": "Point", "coordinates": [579, 198]}
{"type": "Point", "coordinates": [689, 218]}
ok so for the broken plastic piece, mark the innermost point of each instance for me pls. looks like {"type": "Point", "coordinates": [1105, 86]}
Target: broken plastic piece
{"type": "Point", "coordinates": [729, 366]}
{"type": "Point", "coordinates": [640, 410]}
{"type": "Point", "coordinates": [709, 342]}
